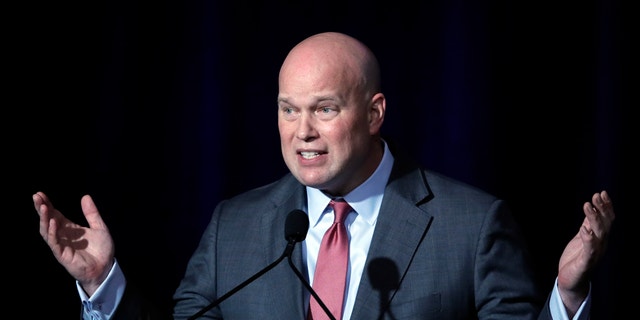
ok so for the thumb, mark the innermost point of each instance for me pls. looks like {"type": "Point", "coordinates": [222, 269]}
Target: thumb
{"type": "Point", "coordinates": [91, 213]}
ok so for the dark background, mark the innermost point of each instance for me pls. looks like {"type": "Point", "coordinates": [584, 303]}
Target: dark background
{"type": "Point", "coordinates": [160, 109]}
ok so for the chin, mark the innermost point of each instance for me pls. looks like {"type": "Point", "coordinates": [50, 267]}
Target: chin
{"type": "Point", "coordinates": [311, 182]}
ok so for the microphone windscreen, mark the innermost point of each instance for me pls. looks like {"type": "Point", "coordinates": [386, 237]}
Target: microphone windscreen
{"type": "Point", "coordinates": [296, 226]}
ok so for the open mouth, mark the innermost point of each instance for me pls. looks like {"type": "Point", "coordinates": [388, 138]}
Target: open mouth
{"type": "Point", "coordinates": [309, 154]}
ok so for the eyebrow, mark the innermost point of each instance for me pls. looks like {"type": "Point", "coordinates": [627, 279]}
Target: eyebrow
{"type": "Point", "coordinates": [318, 99]}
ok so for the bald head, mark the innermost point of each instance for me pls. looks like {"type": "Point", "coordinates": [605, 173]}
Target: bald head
{"type": "Point", "coordinates": [332, 53]}
{"type": "Point", "coordinates": [330, 111]}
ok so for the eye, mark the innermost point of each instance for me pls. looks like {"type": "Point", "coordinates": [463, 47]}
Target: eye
{"type": "Point", "coordinates": [289, 113]}
{"type": "Point", "coordinates": [326, 112]}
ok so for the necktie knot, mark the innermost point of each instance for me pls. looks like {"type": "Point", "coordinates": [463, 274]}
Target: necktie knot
{"type": "Point", "coordinates": [341, 209]}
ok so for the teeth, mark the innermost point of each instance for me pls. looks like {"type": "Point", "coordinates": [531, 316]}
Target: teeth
{"type": "Point", "coordinates": [309, 155]}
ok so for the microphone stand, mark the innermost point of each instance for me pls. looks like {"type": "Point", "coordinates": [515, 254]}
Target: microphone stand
{"type": "Point", "coordinates": [295, 231]}
{"type": "Point", "coordinates": [313, 292]}
{"type": "Point", "coordinates": [286, 252]}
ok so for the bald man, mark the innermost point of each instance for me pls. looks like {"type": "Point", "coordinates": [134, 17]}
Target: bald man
{"type": "Point", "coordinates": [421, 245]}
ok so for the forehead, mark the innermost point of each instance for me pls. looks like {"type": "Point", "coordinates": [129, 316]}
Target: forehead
{"type": "Point", "coordinates": [305, 82]}
{"type": "Point", "coordinates": [309, 89]}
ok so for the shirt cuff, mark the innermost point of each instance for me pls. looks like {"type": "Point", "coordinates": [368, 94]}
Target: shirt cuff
{"type": "Point", "coordinates": [559, 312]}
{"type": "Point", "coordinates": [103, 303]}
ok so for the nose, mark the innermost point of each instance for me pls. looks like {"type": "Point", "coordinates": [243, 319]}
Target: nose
{"type": "Point", "coordinates": [305, 130]}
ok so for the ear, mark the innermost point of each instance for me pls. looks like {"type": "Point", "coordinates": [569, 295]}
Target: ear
{"type": "Point", "coordinates": [376, 113]}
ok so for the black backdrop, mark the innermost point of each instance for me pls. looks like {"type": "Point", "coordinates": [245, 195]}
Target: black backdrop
{"type": "Point", "coordinates": [160, 109]}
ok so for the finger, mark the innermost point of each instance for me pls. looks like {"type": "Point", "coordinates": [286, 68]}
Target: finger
{"type": "Point", "coordinates": [590, 245]}
{"type": "Point", "coordinates": [41, 198]}
{"type": "Point", "coordinates": [43, 205]}
{"type": "Point", "coordinates": [593, 220]}
{"type": "Point", "coordinates": [37, 201]}
{"type": "Point", "coordinates": [587, 236]}
{"type": "Point", "coordinates": [603, 214]}
{"type": "Point", "coordinates": [599, 216]}
{"type": "Point", "coordinates": [48, 225]}
{"type": "Point", "coordinates": [43, 211]}
{"type": "Point", "coordinates": [91, 213]}
{"type": "Point", "coordinates": [52, 239]}
{"type": "Point", "coordinates": [603, 203]}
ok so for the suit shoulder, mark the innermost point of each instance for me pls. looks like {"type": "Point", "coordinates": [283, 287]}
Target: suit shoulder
{"type": "Point", "coordinates": [445, 186]}
{"type": "Point", "coordinates": [276, 191]}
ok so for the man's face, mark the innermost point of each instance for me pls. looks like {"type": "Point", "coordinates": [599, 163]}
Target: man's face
{"type": "Point", "coordinates": [323, 120]}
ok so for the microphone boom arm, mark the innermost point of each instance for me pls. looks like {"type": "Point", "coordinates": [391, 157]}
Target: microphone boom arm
{"type": "Point", "coordinates": [313, 292]}
{"type": "Point", "coordinates": [287, 252]}
{"type": "Point", "coordinates": [296, 227]}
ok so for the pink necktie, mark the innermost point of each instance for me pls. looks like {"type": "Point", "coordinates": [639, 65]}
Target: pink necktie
{"type": "Point", "coordinates": [330, 277]}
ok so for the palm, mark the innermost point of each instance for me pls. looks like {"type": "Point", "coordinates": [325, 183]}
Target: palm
{"type": "Point", "coordinates": [585, 249]}
{"type": "Point", "coordinates": [86, 252]}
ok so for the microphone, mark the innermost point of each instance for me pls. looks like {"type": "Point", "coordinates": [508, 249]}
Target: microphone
{"type": "Point", "coordinates": [295, 230]}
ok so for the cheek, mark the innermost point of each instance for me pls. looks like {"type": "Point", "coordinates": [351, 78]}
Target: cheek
{"type": "Point", "coordinates": [285, 129]}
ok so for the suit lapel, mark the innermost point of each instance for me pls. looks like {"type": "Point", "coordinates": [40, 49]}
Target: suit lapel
{"type": "Point", "coordinates": [401, 227]}
{"type": "Point", "coordinates": [289, 196]}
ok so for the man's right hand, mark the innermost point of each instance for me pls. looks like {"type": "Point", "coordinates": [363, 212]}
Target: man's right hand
{"type": "Point", "coordinates": [86, 253]}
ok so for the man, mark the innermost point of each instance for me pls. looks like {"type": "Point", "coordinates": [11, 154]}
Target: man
{"type": "Point", "coordinates": [422, 245]}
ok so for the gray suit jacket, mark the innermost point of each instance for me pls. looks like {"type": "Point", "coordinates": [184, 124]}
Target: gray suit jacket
{"type": "Point", "coordinates": [441, 250]}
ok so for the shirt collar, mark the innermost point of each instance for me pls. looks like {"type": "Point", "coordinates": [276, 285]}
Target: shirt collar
{"type": "Point", "coordinates": [364, 199]}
